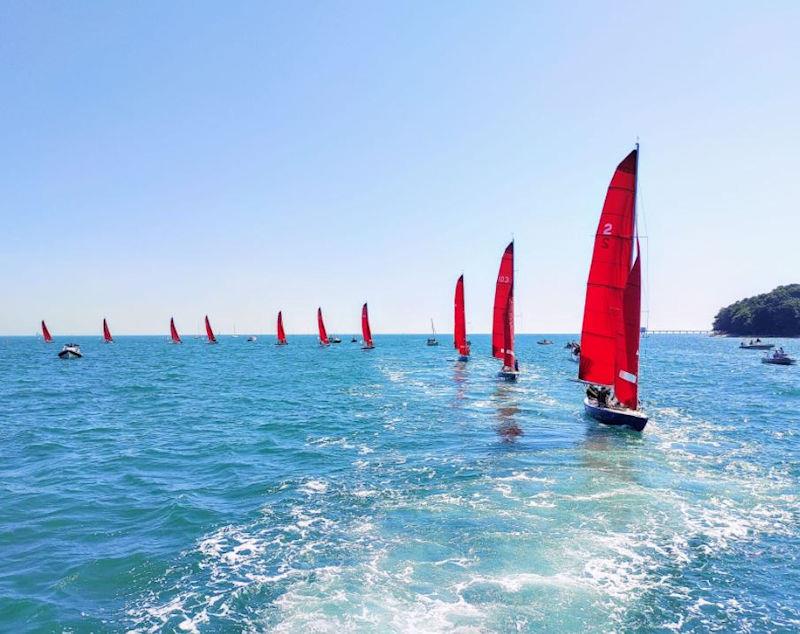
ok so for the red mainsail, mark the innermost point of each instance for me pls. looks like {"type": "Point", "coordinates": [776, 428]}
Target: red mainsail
{"type": "Point", "coordinates": [209, 332]}
{"type": "Point", "coordinates": [173, 331]}
{"type": "Point", "coordinates": [460, 328]}
{"type": "Point", "coordinates": [281, 333]}
{"type": "Point", "coordinates": [365, 331]}
{"type": "Point", "coordinates": [106, 332]}
{"type": "Point", "coordinates": [46, 333]}
{"type": "Point", "coordinates": [323, 334]}
{"type": "Point", "coordinates": [503, 323]}
{"type": "Point", "coordinates": [603, 319]}
{"type": "Point", "coordinates": [626, 376]}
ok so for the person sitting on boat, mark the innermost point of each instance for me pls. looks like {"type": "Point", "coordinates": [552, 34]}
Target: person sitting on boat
{"type": "Point", "coordinates": [516, 365]}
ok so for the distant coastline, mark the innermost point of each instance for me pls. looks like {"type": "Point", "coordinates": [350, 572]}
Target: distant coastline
{"type": "Point", "coordinates": [773, 314]}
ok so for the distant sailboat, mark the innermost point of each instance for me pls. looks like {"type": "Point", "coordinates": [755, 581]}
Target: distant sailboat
{"type": "Point", "coordinates": [106, 332]}
{"type": "Point", "coordinates": [609, 348]}
{"type": "Point", "coordinates": [432, 340]}
{"type": "Point", "coordinates": [235, 335]}
{"type": "Point", "coordinates": [503, 322]}
{"type": "Point", "coordinates": [46, 333]}
{"type": "Point", "coordinates": [281, 333]}
{"type": "Point", "coordinates": [366, 333]}
{"type": "Point", "coordinates": [210, 332]}
{"type": "Point", "coordinates": [460, 328]}
{"type": "Point", "coordinates": [173, 332]}
{"type": "Point", "coordinates": [323, 334]}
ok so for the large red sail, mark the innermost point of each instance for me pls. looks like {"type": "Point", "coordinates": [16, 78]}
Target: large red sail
{"type": "Point", "coordinates": [503, 323]}
{"type": "Point", "coordinates": [323, 334]}
{"type": "Point", "coordinates": [46, 333]}
{"type": "Point", "coordinates": [173, 331]}
{"type": "Point", "coordinates": [106, 332]}
{"type": "Point", "coordinates": [281, 332]}
{"type": "Point", "coordinates": [626, 376]}
{"type": "Point", "coordinates": [365, 330]}
{"type": "Point", "coordinates": [608, 275]}
{"type": "Point", "coordinates": [460, 327]}
{"type": "Point", "coordinates": [209, 332]}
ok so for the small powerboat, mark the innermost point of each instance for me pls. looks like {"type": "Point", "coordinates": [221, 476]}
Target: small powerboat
{"type": "Point", "coordinates": [70, 351]}
{"type": "Point", "coordinates": [756, 344]}
{"type": "Point", "coordinates": [778, 357]}
{"type": "Point", "coordinates": [354, 340]}
{"type": "Point", "coordinates": [334, 339]}
{"type": "Point", "coordinates": [431, 341]}
{"type": "Point", "coordinates": [574, 351]}
{"type": "Point", "coordinates": [544, 342]}
{"type": "Point", "coordinates": [252, 338]}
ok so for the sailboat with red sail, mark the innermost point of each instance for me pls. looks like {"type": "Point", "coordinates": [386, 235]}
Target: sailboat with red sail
{"type": "Point", "coordinates": [503, 319]}
{"type": "Point", "coordinates": [366, 332]}
{"type": "Point", "coordinates": [106, 332]}
{"type": "Point", "coordinates": [281, 332]}
{"type": "Point", "coordinates": [609, 359]}
{"type": "Point", "coordinates": [173, 331]}
{"type": "Point", "coordinates": [460, 327]}
{"type": "Point", "coordinates": [46, 333]}
{"type": "Point", "coordinates": [323, 334]}
{"type": "Point", "coordinates": [210, 332]}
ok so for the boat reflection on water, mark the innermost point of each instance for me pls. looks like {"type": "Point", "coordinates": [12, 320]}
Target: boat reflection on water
{"type": "Point", "coordinates": [507, 403]}
{"type": "Point", "coordinates": [460, 380]}
{"type": "Point", "coordinates": [609, 455]}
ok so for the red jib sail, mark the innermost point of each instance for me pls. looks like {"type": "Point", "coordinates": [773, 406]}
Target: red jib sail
{"type": "Point", "coordinates": [323, 334]}
{"type": "Point", "coordinates": [503, 324]}
{"type": "Point", "coordinates": [46, 333]}
{"type": "Point", "coordinates": [608, 276]}
{"type": "Point", "coordinates": [173, 332]}
{"type": "Point", "coordinates": [626, 376]}
{"type": "Point", "coordinates": [106, 332]}
{"type": "Point", "coordinates": [365, 331]}
{"type": "Point", "coordinates": [281, 332]}
{"type": "Point", "coordinates": [460, 328]}
{"type": "Point", "coordinates": [209, 332]}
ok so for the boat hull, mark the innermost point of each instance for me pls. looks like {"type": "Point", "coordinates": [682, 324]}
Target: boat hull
{"type": "Point", "coordinates": [463, 358]}
{"type": "Point", "coordinates": [69, 354]}
{"type": "Point", "coordinates": [779, 361]}
{"type": "Point", "coordinates": [758, 346]}
{"type": "Point", "coordinates": [508, 375]}
{"type": "Point", "coordinates": [617, 417]}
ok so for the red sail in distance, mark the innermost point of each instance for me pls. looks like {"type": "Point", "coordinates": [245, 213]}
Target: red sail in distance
{"type": "Point", "coordinates": [46, 333]}
{"type": "Point", "coordinates": [503, 323]}
{"type": "Point", "coordinates": [608, 275]}
{"type": "Point", "coordinates": [365, 330]}
{"type": "Point", "coordinates": [106, 332]}
{"type": "Point", "coordinates": [281, 333]}
{"type": "Point", "coordinates": [209, 332]}
{"type": "Point", "coordinates": [460, 328]}
{"type": "Point", "coordinates": [323, 334]}
{"type": "Point", "coordinates": [626, 376]}
{"type": "Point", "coordinates": [173, 331]}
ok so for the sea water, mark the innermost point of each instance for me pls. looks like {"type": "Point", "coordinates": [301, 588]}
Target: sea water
{"type": "Point", "coordinates": [151, 487]}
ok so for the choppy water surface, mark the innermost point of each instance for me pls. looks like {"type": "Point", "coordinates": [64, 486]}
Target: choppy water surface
{"type": "Point", "coordinates": [250, 487]}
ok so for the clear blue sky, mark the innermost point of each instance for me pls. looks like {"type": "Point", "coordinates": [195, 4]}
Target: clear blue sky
{"type": "Point", "coordinates": [184, 158]}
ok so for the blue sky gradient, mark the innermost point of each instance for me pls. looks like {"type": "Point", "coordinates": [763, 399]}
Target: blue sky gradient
{"type": "Point", "coordinates": [235, 159]}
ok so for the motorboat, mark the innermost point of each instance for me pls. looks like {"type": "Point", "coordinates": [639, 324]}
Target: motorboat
{"type": "Point", "coordinates": [70, 351]}
{"type": "Point", "coordinates": [252, 338]}
{"type": "Point", "coordinates": [334, 339]}
{"type": "Point", "coordinates": [778, 357]}
{"type": "Point", "coordinates": [544, 342]}
{"type": "Point", "coordinates": [756, 344]}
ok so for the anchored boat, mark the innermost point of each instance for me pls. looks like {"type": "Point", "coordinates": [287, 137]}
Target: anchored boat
{"type": "Point", "coordinates": [432, 340]}
{"type": "Point", "coordinates": [281, 332]}
{"type": "Point", "coordinates": [366, 333]}
{"type": "Point", "coordinates": [503, 322]}
{"type": "Point", "coordinates": [609, 347]}
{"type": "Point", "coordinates": [756, 345]}
{"type": "Point", "coordinates": [460, 342]}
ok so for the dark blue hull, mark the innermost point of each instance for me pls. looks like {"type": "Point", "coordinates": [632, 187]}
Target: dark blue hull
{"type": "Point", "coordinates": [508, 376]}
{"type": "Point", "coordinates": [623, 417]}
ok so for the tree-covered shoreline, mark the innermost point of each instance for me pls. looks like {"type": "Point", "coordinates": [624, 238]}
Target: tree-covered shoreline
{"type": "Point", "coordinates": [773, 314]}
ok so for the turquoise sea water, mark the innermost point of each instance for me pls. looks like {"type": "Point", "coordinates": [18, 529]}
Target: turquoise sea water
{"type": "Point", "coordinates": [243, 486]}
